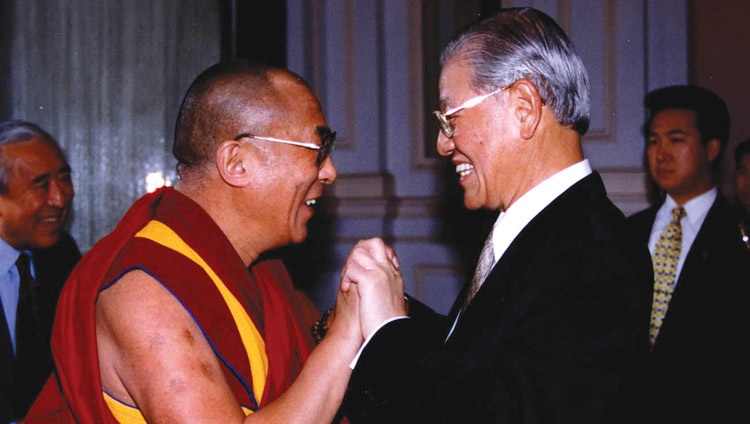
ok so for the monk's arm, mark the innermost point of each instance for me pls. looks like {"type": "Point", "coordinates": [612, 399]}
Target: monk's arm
{"type": "Point", "coordinates": [153, 355]}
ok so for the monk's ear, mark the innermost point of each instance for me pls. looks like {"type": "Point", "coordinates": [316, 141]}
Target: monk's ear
{"type": "Point", "coordinates": [527, 106]}
{"type": "Point", "coordinates": [232, 162]}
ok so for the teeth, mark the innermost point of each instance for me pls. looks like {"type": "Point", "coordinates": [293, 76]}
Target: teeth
{"type": "Point", "coordinates": [310, 202]}
{"type": "Point", "coordinates": [464, 169]}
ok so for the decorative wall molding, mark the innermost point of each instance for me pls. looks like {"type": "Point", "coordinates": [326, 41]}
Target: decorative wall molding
{"type": "Point", "coordinates": [370, 196]}
{"type": "Point", "coordinates": [627, 189]}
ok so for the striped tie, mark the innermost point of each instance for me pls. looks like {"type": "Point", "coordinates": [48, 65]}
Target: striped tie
{"type": "Point", "coordinates": [484, 266]}
{"type": "Point", "coordinates": [665, 258]}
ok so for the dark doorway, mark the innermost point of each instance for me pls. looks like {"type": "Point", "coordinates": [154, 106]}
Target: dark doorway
{"type": "Point", "coordinates": [255, 30]}
{"type": "Point", "coordinates": [6, 36]}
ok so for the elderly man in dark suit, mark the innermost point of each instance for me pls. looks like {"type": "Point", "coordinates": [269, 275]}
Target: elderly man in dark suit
{"type": "Point", "coordinates": [556, 329]}
{"type": "Point", "coordinates": [36, 192]}
{"type": "Point", "coordinates": [699, 317]}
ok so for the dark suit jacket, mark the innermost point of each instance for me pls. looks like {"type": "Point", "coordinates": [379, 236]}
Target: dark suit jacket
{"type": "Point", "coordinates": [700, 356]}
{"type": "Point", "coordinates": [556, 333]}
{"type": "Point", "coordinates": [52, 267]}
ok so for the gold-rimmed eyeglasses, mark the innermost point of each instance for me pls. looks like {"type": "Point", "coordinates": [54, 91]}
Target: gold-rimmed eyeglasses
{"type": "Point", "coordinates": [442, 118]}
{"type": "Point", "coordinates": [325, 148]}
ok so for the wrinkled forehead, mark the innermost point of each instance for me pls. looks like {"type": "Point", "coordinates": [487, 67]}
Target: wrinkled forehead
{"type": "Point", "coordinates": [454, 83]}
{"type": "Point", "coordinates": [295, 94]}
{"type": "Point", "coordinates": [297, 104]}
{"type": "Point", "coordinates": [31, 160]}
{"type": "Point", "coordinates": [30, 149]}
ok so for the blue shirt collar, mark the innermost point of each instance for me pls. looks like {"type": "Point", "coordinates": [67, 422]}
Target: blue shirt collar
{"type": "Point", "coordinates": [8, 255]}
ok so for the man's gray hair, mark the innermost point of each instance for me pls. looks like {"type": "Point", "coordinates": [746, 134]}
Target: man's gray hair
{"type": "Point", "coordinates": [13, 131]}
{"type": "Point", "coordinates": [521, 43]}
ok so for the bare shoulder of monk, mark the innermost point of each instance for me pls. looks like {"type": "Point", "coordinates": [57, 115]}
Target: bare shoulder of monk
{"type": "Point", "coordinates": [152, 354]}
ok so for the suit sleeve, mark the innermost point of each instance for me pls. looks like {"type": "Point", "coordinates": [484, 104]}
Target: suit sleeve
{"type": "Point", "coordinates": [556, 348]}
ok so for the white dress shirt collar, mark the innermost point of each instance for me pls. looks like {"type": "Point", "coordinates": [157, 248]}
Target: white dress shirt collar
{"type": "Point", "coordinates": [696, 208]}
{"type": "Point", "coordinates": [511, 222]}
{"type": "Point", "coordinates": [8, 256]}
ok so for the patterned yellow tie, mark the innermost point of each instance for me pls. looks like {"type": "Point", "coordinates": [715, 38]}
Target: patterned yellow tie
{"type": "Point", "coordinates": [665, 258]}
{"type": "Point", "coordinates": [484, 266]}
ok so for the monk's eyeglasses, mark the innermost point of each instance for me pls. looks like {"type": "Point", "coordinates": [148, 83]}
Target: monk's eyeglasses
{"type": "Point", "coordinates": [325, 148]}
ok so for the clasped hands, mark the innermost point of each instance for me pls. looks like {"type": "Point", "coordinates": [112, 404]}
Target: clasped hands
{"type": "Point", "coordinates": [371, 290]}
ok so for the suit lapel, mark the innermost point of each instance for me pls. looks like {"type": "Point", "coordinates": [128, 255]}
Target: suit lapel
{"type": "Point", "coordinates": [698, 279]}
{"type": "Point", "coordinates": [6, 367]}
{"type": "Point", "coordinates": [710, 237]}
{"type": "Point", "coordinates": [6, 348]}
{"type": "Point", "coordinates": [527, 252]}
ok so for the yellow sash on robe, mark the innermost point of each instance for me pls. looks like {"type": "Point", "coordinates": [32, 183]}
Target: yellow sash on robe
{"type": "Point", "coordinates": [254, 344]}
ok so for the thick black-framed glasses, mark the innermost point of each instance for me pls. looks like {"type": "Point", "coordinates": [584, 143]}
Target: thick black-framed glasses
{"type": "Point", "coordinates": [442, 118]}
{"type": "Point", "coordinates": [325, 148]}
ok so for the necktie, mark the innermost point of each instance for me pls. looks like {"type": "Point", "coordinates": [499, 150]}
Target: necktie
{"type": "Point", "coordinates": [29, 347]}
{"type": "Point", "coordinates": [484, 266]}
{"type": "Point", "coordinates": [665, 258]}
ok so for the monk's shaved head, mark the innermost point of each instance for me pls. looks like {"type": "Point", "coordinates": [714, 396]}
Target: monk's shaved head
{"type": "Point", "coordinates": [229, 99]}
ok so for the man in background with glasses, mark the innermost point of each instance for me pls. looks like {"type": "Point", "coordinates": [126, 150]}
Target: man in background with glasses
{"type": "Point", "coordinates": [162, 321]}
{"type": "Point", "coordinates": [553, 326]}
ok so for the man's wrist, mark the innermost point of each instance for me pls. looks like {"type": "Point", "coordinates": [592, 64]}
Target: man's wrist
{"type": "Point", "coordinates": [371, 335]}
